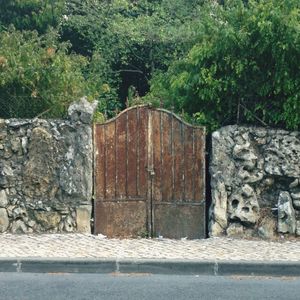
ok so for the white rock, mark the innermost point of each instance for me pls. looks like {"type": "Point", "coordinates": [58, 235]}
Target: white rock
{"type": "Point", "coordinates": [286, 214]}
{"type": "Point", "coordinates": [3, 199]}
{"type": "Point", "coordinates": [4, 221]}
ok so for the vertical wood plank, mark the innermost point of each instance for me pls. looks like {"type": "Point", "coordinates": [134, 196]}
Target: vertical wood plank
{"type": "Point", "coordinates": [167, 173]}
{"type": "Point", "coordinates": [99, 152]}
{"type": "Point", "coordinates": [199, 165]}
{"type": "Point", "coordinates": [156, 140]}
{"type": "Point", "coordinates": [110, 160]}
{"type": "Point", "coordinates": [182, 136]}
{"type": "Point", "coordinates": [121, 157]}
{"type": "Point", "coordinates": [189, 165]}
{"type": "Point", "coordinates": [178, 160]}
{"type": "Point", "coordinates": [143, 145]}
{"type": "Point", "coordinates": [132, 153]}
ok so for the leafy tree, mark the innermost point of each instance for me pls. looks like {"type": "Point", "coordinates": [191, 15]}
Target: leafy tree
{"type": "Point", "coordinates": [39, 76]}
{"type": "Point", "coordinates": [135, 38]}
{"type": "Point", "coordinates": [31, 14]}
{"type": "Point", "coordinates": [244, 67]}
{"type": "Point", "coordinates": [123, 41]}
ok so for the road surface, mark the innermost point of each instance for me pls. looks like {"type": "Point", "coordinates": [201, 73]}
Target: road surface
{"type": "Point", "coordinates": [144, 286]}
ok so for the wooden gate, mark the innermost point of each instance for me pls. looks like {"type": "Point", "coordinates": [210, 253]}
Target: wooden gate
{"type": "Point", "coordinates": [149, 175]}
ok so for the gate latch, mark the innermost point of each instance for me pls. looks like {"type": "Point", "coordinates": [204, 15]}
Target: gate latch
{"type": "Point", "coordinates": [151, 171]}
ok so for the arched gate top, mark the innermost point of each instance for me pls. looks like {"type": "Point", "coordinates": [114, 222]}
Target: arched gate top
{"type": "Point", "coordinates": [153, 109]}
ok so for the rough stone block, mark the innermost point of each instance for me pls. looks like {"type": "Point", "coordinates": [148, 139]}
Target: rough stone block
{"type": "Point", "coordinates": [3, 198]}
{"type": "Point", "coordinates": [256, 165]}
{"type": "Point", "coordinates": [235, 230]}
{"type": "Point", "coordinates": [82, 111]}
{"type": "Point", "coordinates": [83, 219]}
{"type": "Point", "coordinates": [267, 228]}
{"type": "Point", "coordinates": [286, 214]}
{"type": "Point", "coordinates": [4, 222]}
{"type": "Point", "coordinates": [298, 228]}
{"type": "Point", "coordinates": [46, 172]}
{"type": "Point", "coordinates": [48, 219]}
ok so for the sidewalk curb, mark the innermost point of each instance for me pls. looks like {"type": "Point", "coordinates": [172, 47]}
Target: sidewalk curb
{"type": "Point", "coordinates": [152, 266]}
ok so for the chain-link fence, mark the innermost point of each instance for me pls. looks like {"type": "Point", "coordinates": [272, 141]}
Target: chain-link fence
{"type": "Point", "coordinates": [19, 106]}
{"type": "Point", "coordinates": [8, 108]}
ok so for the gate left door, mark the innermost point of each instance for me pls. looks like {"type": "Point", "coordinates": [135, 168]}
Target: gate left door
{"type": "Point", "coordinates": [122, 205]}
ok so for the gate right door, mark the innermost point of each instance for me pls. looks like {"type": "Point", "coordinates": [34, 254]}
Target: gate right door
{"type": "Point", "coordinates": [177, 187]}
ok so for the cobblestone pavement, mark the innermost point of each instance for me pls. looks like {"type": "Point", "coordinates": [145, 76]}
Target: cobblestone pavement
{"type": "Point", "coordinates": [92, 246]}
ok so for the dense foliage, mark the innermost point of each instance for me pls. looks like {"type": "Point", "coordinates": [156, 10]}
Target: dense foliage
{"type": "Point", "coordinates": [31, 14]}
{"type": "Point", "coordinates": [244, 67]}
{"type": "Point", "coordinates": [135, 38]}
{"type": "Point", "coordinates": [214, 62]}
{"type": "Point", "coordinates": [126, 41]}
{"type": "Point", "coordinates": [38, 76]}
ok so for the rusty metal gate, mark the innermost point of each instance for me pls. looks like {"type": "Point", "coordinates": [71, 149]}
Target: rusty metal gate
{"type": "Point", "coordinates": [149, 175]}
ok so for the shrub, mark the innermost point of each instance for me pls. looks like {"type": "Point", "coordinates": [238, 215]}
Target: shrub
{"type": "Point", "coordinates": [39, 76]}
{"type": "Point", "coordinates": [244, 67]}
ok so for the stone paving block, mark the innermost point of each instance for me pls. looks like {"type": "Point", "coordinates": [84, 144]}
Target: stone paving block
{"type": "Point", "coordinates": [92, 246]}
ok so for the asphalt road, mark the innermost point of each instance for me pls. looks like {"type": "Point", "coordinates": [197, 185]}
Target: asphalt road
{"type": "Point", "coordinates": [144, 286]}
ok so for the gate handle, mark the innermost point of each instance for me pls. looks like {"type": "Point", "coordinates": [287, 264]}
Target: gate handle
{"type": "Point", "coordinates": [151, 171]}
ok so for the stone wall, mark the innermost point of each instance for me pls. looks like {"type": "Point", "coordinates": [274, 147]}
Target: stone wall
{"type": "Point", "coordinates": [46, 177]}
{"type": "Point", "coordinates": [255, 179]}
{"type": "Point", "coordinates": [46, 173]}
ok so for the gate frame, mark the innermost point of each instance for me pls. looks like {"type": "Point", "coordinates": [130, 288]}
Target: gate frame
{"type": "Point", "coordinates": [149, 200]}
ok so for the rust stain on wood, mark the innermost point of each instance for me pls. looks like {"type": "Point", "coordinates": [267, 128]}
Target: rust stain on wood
{"type": "Point", "coordinates": [179, 221]}
{"type": "Point", "coordinates": [121, 219]}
